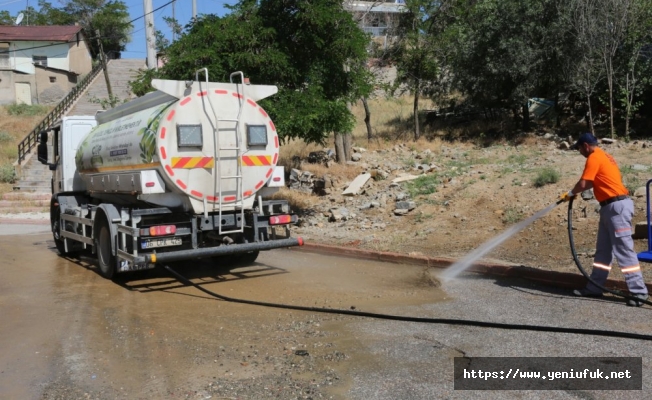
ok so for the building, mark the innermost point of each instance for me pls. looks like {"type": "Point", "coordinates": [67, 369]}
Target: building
{"type": "Point", "coordinates": [41, 64]}
{"type": "Point", "coordinates": [376, 17]}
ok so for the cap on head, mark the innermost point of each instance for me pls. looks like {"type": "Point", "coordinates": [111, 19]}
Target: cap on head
{"type": "Point", "coordinates": [585, 138]}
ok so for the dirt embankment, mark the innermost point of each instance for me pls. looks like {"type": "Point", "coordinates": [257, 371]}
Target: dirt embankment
{"type": "Point", "coordinates": [468, 195]}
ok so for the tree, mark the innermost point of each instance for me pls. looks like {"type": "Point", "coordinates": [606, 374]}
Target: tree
{"type": "Point", "coordinates": [585, 70]}
{"type": "Point", "coordinates": [613, 18]}
{"type": "Point", "coordinates": [416, 50]}
{"type": "Point", "coordinates": [48, 15]}
{"type": "Point", "coordinates": [111, 18]}
{"type": "Point", "coordinates": [311, 50]}
{"type": "Point", "coordinates": [375, 51]}
{"type": "Point", "coordinates": [506, 51]}
{"type": "Point", "coordinates": [633, 67]}
{"type": "Point", "coordinates": [6, 18]}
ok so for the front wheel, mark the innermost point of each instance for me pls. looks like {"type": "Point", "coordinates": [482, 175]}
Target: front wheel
{"type": "Point", "coordinates": [105, 258]}
{"type": "Point", "coordinates": [55, 223]}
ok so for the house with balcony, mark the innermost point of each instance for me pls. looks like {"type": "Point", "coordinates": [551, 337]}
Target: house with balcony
{"type": "Point", "coordinates": [41, 64]}
{"type": "Point", "coordinates": [376, 17]}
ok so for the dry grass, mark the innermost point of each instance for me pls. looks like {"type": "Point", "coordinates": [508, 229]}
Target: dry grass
{"type": "Point", "coordinates": [298, 200]}
{"type": "Point", "coordinates": [13, 129]}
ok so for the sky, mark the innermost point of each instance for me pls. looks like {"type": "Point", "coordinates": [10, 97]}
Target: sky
{"type": "Point", "coordinates": [137, 49]}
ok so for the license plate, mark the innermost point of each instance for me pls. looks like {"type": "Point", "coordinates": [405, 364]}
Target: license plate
{"type": "Point", "coordinates": [164, 242]}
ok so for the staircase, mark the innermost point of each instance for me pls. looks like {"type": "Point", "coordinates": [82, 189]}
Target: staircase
{"type": "Point", "coordinates": [24, 202]}
{"type": "Point", "coordinates": [33, 190]}
{"type": "Point", "coordinates": [35, 177]}
{"type": "Point", "coordinates": [121, 71]}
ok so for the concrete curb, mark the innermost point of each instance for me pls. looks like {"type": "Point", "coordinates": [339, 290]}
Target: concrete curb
{"type": "Point", "coordinates": [564, 280]}
{"type": "Point", "coordinates": [23, 221]}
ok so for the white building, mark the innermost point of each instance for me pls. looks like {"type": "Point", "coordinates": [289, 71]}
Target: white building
{"type": "Point", "coordinates": [376, 17]}
{"type": "Point", "coordinates": [41, 64]}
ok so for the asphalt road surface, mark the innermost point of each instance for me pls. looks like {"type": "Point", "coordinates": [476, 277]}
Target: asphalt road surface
{"type": "Point", "coordinates": [67, 333]}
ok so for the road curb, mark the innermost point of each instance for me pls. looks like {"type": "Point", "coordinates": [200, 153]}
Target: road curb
{"type": "Point", "coordinates": [564, 280]}
{"type": "Point", "coordinates": [23, 221]}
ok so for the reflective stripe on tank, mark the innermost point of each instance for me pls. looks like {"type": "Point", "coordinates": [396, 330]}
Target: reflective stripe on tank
{"type": "Point", "coordinates": [193, 162]}
{"type": "Point", "coordinates": [256, 161]}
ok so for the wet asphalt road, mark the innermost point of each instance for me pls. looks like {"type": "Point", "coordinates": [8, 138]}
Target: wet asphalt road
{"type": "Point", "coordinates": [66, 333]}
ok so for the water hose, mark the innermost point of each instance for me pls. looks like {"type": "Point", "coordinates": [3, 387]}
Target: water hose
{"type": "Point", "coordinates": [579, 264]}
{"type": "Point", "coordinates": [447, 321]}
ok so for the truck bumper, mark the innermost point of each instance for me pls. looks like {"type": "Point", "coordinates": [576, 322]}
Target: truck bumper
{"type": "Point", "coordinates": [158, 258]}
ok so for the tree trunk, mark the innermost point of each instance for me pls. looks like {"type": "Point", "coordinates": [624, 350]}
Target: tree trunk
{"type": "Point", "coordinates": [339, 148]}
{"type": "Point", "coordinates": [610, 82]}
{"type": "Point", "coordinates": [590, 119]}
{"type": "Point", "coordinates": [526, 117]}
{"type": "Point", "coordinates": [348, 148]}
{"type": "Point", "coordinates": [417, 89]}
{"type": "Point", "coordinates": [557, 108]}
{"type": "Point", "coordinates": [367, 117]}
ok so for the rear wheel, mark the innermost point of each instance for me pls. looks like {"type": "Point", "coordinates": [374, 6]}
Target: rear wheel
{"type": "Point", "coordinates": [247, 258]}
{"type": "Point", "coordinates": [106, 259]}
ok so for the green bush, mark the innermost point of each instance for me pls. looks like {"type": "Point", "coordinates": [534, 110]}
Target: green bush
{"type": "Point", "coordinates": [26, 110]}
{"type": "Point", "coordinates": [546, 176]}
{"type": "Point", "coordinates": [5, 137]}
{"type": "Point", "coordinates": [423, 185]}
{"type": "Point", "coordinates": [7, 174]}
{"type": "Point", "coordinates": [512, 216]}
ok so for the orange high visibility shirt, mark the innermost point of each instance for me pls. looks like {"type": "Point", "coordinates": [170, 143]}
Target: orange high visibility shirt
{"type": "Point", "coordinates": [601, 168]}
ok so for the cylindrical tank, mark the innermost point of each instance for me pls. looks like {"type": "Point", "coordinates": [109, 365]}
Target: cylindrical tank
{"type": "Point", "coordinates": [213, 144]}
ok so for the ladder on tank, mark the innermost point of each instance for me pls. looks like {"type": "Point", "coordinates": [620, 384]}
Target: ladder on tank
{"type": "Point", "coordinates": [238, 202]}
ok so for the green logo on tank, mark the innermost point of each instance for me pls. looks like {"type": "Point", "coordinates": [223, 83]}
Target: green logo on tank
{"type": "Point", "coordinates": [148, 136]}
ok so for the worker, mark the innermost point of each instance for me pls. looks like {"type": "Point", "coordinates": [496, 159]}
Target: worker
{"type": "Point", "coordinates": [601, 173]}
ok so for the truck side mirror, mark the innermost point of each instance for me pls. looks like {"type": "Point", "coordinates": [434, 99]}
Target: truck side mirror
{"type": "Point", "coordinates": [42, 152]}
{"type": "Point", "coordinates": [43, 137]}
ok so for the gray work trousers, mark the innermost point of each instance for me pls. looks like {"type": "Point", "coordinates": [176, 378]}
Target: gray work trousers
{"type": "Point", "coordinates": [615, 239]}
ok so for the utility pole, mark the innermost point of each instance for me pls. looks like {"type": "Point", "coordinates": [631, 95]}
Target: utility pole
{"type": "Point", "coordinates": [149, 34]}
{"type": "Point", "coordinates": [194, 9]}
{"type": "Point", "coordinates": [173, 19]}
{"type": "Point", "coordinates": [106, 71]}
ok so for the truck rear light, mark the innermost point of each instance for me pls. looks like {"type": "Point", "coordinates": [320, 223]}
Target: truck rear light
{"type": "Point", "coordinates": [276, 179]}
{"type": "Point", "coordinates": [280, 219]}
{"type": "Point", "coordinates": [162, 230]}
{"type": "Point", "coordinates": [150, 184]}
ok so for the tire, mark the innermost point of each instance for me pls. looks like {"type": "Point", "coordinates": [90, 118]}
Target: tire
{"type": "Point", "coordinates": [106, 260]}
{"type": "Point", "coordinates": [247, 258]}
{"type": "Point", "coordinates": [55, 221]}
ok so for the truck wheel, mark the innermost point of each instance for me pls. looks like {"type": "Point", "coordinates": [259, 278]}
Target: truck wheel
{"type": "Point", "coordinates": [105, 258]}
{"type": "Point", "coordinates": [247, 258]}
{"type": "Point", "coordinates": [55, 222]}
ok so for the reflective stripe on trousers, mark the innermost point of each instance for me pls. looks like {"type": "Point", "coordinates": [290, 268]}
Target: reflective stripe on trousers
{"type": "Point", "coordinates": [615, 239]}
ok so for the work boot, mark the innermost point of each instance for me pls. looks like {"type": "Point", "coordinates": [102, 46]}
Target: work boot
{"type": "Point", "coordinates": [637, 303]}
{"type": "Point", "coordinates": [586, 293]}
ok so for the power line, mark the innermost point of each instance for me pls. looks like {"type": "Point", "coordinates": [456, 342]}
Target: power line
{"type": "Point", "coordinates": [88, 38]}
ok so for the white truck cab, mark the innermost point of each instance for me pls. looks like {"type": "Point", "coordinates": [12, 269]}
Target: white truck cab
{"type": "Point", "coordinates": [65, 138]}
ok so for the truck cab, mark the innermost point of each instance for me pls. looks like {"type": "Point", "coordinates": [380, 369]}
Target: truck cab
{"type": "Point", "coordinates": [57, 148]}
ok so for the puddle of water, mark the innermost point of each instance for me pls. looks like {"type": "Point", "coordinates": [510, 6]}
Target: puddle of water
{"type": "Point", "coordinates": [462, 265]}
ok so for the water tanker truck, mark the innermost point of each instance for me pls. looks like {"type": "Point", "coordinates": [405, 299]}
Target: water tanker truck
{"type": "Point", "coordinates": [182, 173]}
